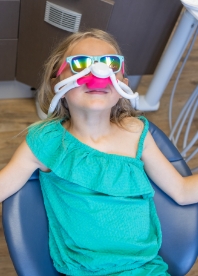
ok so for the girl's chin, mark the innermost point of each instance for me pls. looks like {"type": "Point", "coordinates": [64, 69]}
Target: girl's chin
{"type": "Point", "coordinates": [97, 106]}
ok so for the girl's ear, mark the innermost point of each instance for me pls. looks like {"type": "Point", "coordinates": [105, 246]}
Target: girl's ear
{"type": "Point", "coordinates": [126, 81]}
{"type": "Point", "coordinates": [54, 81]}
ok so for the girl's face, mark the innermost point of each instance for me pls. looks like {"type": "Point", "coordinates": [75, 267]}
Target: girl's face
{"type": "Point", "coordinates": [83, 98]}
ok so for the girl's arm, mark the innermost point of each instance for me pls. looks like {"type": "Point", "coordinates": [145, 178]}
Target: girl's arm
{"type": "Point", "coordinates": [184, 190]}
{"type": "Point", "coordinates": [18, 171]}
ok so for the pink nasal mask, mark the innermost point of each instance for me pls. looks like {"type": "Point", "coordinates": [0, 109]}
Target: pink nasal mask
{"type": "Point", "coordinates": [98, 77]}
{"type": "Point", "coordinates": [94, 82]}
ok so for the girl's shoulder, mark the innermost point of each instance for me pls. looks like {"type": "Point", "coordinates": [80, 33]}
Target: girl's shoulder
{"type": "Point", "coordinates": [45, 139]}
{"type": "Point", "coordinates": [44, 135]}
{"type": "Point", "coordinates": [43, 128]}
{"type": "Point", "coordinates": [136, 124]}
{"type": "Point", "coordinates": [135, 130]}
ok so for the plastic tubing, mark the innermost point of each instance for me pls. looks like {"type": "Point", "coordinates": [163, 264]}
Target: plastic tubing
{"type": "Point", "coordinates": [178, 77]}
{"type": "Point", "coordinates": [190, 123]}
{"type": "Point", "coordinates": [171, 137]}
{"type": "Point", "coordinates": [192, 142]}
{"type": "Point", "coordinates": [117, 85]}
{"type": "Point", "coordinates": [71, 79]}
{"type": "Point", "coordinates": [59, 95]}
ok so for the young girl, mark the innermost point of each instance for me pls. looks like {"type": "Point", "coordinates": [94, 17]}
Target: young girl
{"type": "Point", "coordinates": [93, 153]}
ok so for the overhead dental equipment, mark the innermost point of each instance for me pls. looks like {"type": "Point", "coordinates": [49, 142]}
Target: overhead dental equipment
{"type": "Point", "coordinates": [181, 37]}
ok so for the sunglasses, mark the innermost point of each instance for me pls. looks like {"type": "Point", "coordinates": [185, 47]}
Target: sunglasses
{"type": "Point", "coordinates": [80, 62]}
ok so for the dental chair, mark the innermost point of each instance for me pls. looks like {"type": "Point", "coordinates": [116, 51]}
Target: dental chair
{"type": "Point", "coordinates": [26, 227]}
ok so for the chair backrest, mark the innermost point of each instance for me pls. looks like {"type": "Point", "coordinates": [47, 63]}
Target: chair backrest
{"type": "Point", "coordinates": [26, 230]}
{"type": "Point", "coordinates": [179, 223]}
{"type": "Point", "coordinates": [26, 227]}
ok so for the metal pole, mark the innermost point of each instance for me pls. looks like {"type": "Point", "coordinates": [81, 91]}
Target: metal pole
{"type": "Point", "coordinates": [168, 62]}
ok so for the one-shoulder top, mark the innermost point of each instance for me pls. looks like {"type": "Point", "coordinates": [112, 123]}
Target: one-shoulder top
{"type": "Point", "coordinates": [100, 208]}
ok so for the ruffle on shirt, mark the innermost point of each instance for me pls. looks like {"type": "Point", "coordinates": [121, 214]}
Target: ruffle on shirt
{"type": "Point", "coordinates": [76, 162]}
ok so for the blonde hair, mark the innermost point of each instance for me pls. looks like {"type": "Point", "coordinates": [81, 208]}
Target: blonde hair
{"type": "Point", "coordinates": [121, 110]}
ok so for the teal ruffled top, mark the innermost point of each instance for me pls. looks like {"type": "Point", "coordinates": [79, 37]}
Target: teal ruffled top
{"type": "Point", "coordinates": [102, 218]}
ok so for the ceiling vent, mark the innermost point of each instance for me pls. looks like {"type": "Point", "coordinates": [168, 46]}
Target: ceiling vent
{"type": "Point", "coordinates": [62, 18]}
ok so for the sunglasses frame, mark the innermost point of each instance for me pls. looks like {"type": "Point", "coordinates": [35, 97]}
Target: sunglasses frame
{"type": "Point", "coordinates": [93, 59]}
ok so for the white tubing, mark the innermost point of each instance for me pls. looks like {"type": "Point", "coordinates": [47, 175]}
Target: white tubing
{"type": "Point", "coordinates": [124, 94]}
{"type": "Point", "coordinates": [184, 109]}
{"type": "Point", "coordinates": [59, 95]}
{"type": "Point", "coordinates": [192, 142]}
{"type": "Point", "coordinates": [178, 77]}
{"type": "Point", "coordinates": [135, 100]}
{"type": "Point", "coordinates": [71, 79]}
{"type": "Point", "coordinates": [190, 123]}
{"type": "Point", "coordinates": [194, 170]}
{"type": "Point", "coordinates": [125, 87]}
{"type": "Point", "coordinates": [192, 155]}
{"type": "Point", "coordinates": [183, 122]}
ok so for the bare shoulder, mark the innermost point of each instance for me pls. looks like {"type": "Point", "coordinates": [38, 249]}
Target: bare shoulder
{"type": "Point", "coordinates": [133, 124]}
{"type": "Point", "coordinates": [136, 126]}
{"type": "Point", "coordinates": [133, 128]}
{"type": "Point", "coordinates": [130, 133]}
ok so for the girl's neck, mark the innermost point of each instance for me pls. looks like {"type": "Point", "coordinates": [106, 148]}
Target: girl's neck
{"type": "Point", "coordinates": [91, 127]}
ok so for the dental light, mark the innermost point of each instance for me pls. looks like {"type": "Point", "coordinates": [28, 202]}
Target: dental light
{"type": "Point", "coordinates": [97, 76]}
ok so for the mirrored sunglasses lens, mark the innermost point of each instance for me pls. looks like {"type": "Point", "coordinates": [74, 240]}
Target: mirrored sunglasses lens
{"type": "Point", "coordinates": [80, 63]}
{"type": "Point", "coordinates": [113, 62]}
